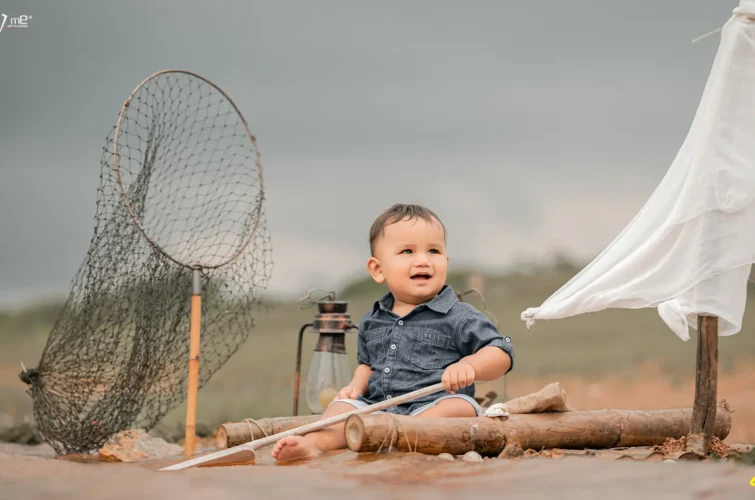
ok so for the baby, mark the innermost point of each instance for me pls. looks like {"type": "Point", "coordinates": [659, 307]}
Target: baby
{"type": "Point", "coordinates": [417, 335]}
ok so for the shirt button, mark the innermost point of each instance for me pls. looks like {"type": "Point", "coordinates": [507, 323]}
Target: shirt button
{"type": "Point", "coordinates": [388, 396]}
{"type": "Point", "coordinates": [387, 370]}
{"type": "Point", "coordinates": [400, 322]}
{"type": "Point", "coordinates": [393, 346]}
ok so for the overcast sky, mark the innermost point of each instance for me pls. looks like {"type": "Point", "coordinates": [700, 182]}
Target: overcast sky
{"type": "Point", "coordinates": [530, 127]}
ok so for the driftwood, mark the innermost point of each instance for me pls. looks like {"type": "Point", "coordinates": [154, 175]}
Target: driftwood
{"type": "Point", "coordinates": [488, 436]}
{"type": "Point", "coordinates": [551, 398]}
{"type": "Point", "coordinates": [234, 433]}
{"type": "Point", "coordinates": [431, 436]}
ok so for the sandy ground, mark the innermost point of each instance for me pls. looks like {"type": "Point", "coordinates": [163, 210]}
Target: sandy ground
{"type": "Point", "coordinates": [29, 472]}
{"type": "Point", "coordinates": [33, 472]}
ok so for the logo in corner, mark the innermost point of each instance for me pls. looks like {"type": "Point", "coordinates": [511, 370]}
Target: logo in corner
{"type": "Point", "coordinates": [14, 23]}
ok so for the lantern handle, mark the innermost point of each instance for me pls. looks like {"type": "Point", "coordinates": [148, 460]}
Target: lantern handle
{"type": "Point", "coordinates": [331, 296]}
{"type": "Point", "coordinates": [297, 374]}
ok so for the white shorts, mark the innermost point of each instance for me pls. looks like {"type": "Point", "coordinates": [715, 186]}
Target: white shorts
{"type": "Point", "coordinates": [357, 403]}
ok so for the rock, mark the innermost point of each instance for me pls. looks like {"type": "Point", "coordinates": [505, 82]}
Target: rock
{"type": "Point", "coordinates": [511, 451]}
{"type": "Point", "coordinates": [669, 461]}
{"type": "Point", "coordinates": [447, 456]}
{"type": "Point", "coordinates": [472, 456]}
{"type": "Point", "coordinates": [23, 433]}
{"type": "Point", "coordinates": [497, 410]}
{"type": "Point", "coordinates": [135, 445]}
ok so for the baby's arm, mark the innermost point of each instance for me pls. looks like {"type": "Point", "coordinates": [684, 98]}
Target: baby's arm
{"type": "Point", "coordinates": [487, 355]}
{"type": "Point", "coordinates": [360, 380]}
{"type": "Point", "coordinates": [489, 363]}
{"type": "Point", "coordinates": [358, 384]}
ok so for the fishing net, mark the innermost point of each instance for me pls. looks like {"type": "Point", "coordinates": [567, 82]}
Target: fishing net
{"type": "Point", "coordinates": [180, 189]}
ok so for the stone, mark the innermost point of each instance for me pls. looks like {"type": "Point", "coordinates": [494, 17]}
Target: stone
{"type": "Point", "coordinates": [23, 433]}
{"type": "Point", "coordinates": [135, 445]}
{"type": "Point", "coordinates": [472, 456]}
{"type": "Point", "coordinates": [511, 451]}
{"type": "Point", "coordinates": [447, 456]}
{"type": "Point", "coordinates": [669, 461]}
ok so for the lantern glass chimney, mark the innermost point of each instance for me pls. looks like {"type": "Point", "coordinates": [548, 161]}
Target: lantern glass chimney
{"type": "Point", "coordinates": [328, 373]}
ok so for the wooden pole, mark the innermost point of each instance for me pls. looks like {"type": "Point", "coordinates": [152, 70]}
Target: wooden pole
{"type": "Point", "coordinates": [191, 398]}
{"type": "Point", "coordinates": [488, 436]}
{"type": "Point", "coordinates": [706, 385]}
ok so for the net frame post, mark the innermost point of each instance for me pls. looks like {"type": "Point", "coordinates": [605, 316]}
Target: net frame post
{"type": "Point", "coordinates": [194, 343]}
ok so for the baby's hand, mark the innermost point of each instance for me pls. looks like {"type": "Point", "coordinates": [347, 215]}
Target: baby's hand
{"type": "Point", "coordinates": [349, 392]}
{"type": "Point", "coordinates": [458, 376]}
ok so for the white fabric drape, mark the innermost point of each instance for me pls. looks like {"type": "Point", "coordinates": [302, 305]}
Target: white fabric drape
{"type": "Point", "coordinates": [690, 248]}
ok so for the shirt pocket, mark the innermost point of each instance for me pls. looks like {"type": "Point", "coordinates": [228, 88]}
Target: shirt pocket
{"type": "Point", "coordinates": [374, 341]}
{"type": "Point", "coordinates": [429, 350]}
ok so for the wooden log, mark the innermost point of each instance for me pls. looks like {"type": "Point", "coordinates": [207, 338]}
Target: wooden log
{"type": "Point", "coordinates": [431, 436]}
{"type": "Point", "coordinates": [488, 436]}
{"type": "Point", "coordinates": [235, 433]}
{"type": "Point", "coordinates": [706, 385]}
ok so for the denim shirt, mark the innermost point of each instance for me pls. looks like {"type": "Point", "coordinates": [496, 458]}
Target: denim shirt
{"type": "Point", "coordinates": [411, 352]}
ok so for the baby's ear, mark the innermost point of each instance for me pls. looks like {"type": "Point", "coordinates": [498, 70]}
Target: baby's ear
{"type": "Point", "coordinates": [373, 267]}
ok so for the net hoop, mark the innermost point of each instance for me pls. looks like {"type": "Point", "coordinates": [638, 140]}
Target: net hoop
{"type": "Point", "coordinates": [124, 197]}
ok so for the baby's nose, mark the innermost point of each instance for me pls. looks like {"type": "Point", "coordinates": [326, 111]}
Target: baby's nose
{"type": "Point", "coordinates": [422, 258]}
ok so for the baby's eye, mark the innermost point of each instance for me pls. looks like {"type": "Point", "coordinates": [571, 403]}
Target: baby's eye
{"type": "Point", "coordinates": [433, 250]}
{"type": "Point", "coordinates": [406, 251]}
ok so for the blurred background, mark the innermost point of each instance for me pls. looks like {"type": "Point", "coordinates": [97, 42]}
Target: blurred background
{"type": "Point", "coordinates": [535, 130]}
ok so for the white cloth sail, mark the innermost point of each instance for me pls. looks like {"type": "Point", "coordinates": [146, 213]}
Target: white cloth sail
{"type": "Point", "coordinates": [690, 248]}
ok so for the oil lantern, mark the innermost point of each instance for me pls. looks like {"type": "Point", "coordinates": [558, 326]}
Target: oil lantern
{"type": "Point", "coordinates": [329, 370]}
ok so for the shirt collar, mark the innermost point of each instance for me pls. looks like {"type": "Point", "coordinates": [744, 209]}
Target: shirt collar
{"type": "Point", "coordinates": [441, 303]}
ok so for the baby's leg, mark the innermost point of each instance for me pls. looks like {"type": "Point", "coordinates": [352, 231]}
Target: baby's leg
{"type": "Point", "coordinates": [312, 444]}
{"type": "Point", "coordinates": [450, 407]}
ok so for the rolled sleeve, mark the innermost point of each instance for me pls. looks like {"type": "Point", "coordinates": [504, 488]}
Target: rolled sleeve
{"type": "Point", "coordinates": [477, 331]}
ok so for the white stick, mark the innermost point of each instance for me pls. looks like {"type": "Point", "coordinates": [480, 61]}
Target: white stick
{"type": "Point", "coordinates": [245, 452]}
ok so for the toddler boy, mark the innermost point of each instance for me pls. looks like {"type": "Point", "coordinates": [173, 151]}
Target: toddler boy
{"type": "Point", "coordinates": [417, 335]}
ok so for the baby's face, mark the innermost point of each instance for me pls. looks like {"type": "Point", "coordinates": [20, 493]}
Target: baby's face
{"type": "Point", "coordinates": [412, 260]}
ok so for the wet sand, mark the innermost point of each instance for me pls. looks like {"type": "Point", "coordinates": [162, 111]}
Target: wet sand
{"type": "Point", "coordinates": [29, 472]}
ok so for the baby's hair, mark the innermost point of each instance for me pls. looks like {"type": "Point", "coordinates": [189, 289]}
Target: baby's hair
{"type": "Point", "coordinates": [399, 212]}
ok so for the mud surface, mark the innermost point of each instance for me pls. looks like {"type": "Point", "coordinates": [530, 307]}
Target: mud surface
{"type": "Point", "coordinates": [29, 472]}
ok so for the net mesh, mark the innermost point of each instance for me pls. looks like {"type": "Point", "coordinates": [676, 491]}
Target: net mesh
{"type": "Point", "coordinates": [186, 191]}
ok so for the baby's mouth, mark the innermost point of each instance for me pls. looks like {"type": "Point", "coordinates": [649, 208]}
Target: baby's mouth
{"type": "Point", "coordinates": [421, 277]}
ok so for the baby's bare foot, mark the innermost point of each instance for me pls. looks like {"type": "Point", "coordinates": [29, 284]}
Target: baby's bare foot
{"type": "Point", "coordinates": [293, 447]}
